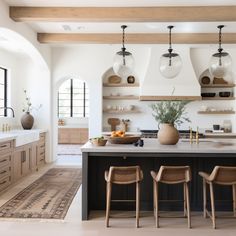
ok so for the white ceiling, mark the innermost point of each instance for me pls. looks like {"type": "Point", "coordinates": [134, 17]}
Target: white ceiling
{"type": "Point", "coordinates": [120, 3]}
{"type": "Point", "coordinates": [151, 27]}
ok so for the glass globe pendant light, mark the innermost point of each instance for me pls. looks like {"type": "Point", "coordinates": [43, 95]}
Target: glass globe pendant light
{"type": "Point", "coordinates": [170, 63]}
{"type": "Point", "coordinates": [220, 62]}
{"type": "Point", "coordinates": [123, 64]}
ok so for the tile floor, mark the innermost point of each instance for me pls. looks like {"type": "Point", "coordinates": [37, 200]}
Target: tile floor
{"type": "Point", "coordinates": [73, 226]}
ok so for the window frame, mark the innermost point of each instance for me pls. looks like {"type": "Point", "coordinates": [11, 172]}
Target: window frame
{"type": "Point", "coordinates": [72, 100]}
{"type": "Point", "coordinates": [5, 91]}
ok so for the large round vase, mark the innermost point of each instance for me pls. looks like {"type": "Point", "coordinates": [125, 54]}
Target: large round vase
{"type": "Point", "coordinates": [168, 134]}
{"type": "Point", "coordinates": [27, 121]}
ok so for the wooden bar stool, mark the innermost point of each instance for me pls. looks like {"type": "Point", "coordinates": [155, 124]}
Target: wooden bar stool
{"type": "Point", "coordinates": [222, 175]}
{"type": "Point", "coordinates": [172, 175]}
{"type": "Point", "coordinates": [123, 175]}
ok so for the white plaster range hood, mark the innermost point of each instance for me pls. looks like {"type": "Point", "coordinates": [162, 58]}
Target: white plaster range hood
{"type": "Point", "coordinates": [155, 87]}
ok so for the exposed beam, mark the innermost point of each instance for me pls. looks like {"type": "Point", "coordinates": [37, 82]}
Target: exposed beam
{"type": "Point", "coordinates": [198, 38]}
{"type": "Point", "coordinates": [125, 14]}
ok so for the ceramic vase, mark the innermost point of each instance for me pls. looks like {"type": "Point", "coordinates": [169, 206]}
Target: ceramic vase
{"type": "Point", "coordinates": [27, 121]}
{"type": "Point", "coordinates": [168, 134]}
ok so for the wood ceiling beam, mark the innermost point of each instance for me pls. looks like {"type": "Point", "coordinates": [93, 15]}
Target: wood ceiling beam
{"type": "Point", "coordinates": [125, 14]}
{"type": "Point", "coordinates": [196, 38]}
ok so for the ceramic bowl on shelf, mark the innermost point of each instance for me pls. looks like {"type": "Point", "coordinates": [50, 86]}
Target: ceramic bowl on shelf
{"type": "Point", "coordinates": [208, 94]}
{"type": "Point", "coordinates": [224, 94]}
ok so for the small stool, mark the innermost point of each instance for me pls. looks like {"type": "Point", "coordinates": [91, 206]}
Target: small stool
{"type": "Point", "coordinates": [172, 175]}
{"type": "Point", "coordinates": [222, 175]}
{"type": "Point", "coordinates": [123, 175]}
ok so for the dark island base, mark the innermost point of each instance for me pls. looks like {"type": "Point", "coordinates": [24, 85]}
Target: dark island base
{"type": "Point", "coordinates": [94, 186]}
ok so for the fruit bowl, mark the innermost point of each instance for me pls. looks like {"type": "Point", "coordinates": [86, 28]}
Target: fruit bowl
{"type": "Point", "coordinates": [98, 141]}
{"type": "Point", "coordinates": [127, 139]}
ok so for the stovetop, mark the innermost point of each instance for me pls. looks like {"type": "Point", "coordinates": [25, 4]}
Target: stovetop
{"type": "Point", "coordinates": [153, 133]}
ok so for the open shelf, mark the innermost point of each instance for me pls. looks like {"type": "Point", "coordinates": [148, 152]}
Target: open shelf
{"type": "Point", "coordinates": [218, 98]}
{"type": "Point", "coordinates": [124, 97]}
{"type": "Point", "coordinates": [120, 85]}
{"type": "Point", "coordinates": [218, 86]}
{"type": "Point", "coordinates": [216, 112]}
{"type": "Point", "coordinates": [121, 111]}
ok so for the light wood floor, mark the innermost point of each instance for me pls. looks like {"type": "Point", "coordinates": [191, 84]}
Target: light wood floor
{"type": "Point", "coordinates": [73, 226]}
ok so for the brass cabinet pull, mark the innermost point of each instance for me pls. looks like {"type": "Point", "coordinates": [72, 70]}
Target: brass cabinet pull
{"type": "Point", "coordinates": [3, 172]}
{"type": "Point", "coordinates": [3, 160]}
{"type": "Point", "coordinates": [3, 182]}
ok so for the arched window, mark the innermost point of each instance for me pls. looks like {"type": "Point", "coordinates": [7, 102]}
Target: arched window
{"type": "Point", "coordinates": [3, 91]}
{"type": "Point", "coordinates": [73, 98]}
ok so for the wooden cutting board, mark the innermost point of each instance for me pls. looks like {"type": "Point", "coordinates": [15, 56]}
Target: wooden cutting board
{"type": "Point", "coordinates": [113, 122]}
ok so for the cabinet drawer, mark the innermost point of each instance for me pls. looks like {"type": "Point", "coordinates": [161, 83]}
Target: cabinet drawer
{"type": "Point", "coordinates": [5, 171]}
{"type": "Point", "coordinates": [5, 160]}
{"type": "Point", "coordinates": [42, 138]}
{"type": "Point", "coordinates": [5, 147]}
{"type": "Point", "coordinates": [4, 182]}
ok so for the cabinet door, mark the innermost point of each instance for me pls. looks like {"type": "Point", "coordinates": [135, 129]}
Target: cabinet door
{"type": "Point", "coordinates": [17, 168]}
{"type": "Point", "coordinates": [83, 136]}
{"type": "Point", "coordinates": [33, 157]}
{"type": "Point", "coordinates": [25, 161]}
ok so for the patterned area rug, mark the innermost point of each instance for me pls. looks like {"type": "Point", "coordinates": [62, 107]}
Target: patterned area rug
{"type": "Point", "coordinates": [49, 197]}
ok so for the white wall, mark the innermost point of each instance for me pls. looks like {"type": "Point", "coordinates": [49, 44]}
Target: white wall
{"type": "Point", "coordinates": [31, 72]}
{"type": "Point", "coordinates": [90, 62]}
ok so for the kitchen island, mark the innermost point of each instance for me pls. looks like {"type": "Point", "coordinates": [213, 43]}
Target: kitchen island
{"type": "Point", "coordinates": [200, 157]}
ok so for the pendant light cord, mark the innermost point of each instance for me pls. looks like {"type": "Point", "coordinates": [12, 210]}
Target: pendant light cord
{"type": "Point", "coordinates": [220, 49]}
{"type": "Point", "coordinates": [170, 27]}
{"type": "Point", "coordinates": [123, 43]}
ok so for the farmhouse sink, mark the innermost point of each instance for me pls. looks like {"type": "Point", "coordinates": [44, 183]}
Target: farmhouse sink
{"type": "Point", "coordinates": [21, 137]}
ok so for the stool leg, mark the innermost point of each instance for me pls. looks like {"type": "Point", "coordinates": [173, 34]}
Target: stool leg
{"type": "Point", "coordinates": [188, 204]}
{"type": "Point", "coordinates": [157, 205]}
{"type": "Point", "coordinates": [204, 198]}
{"type": "Point", "coordinates": [137, 203]}
{"type": "Point", "coordinates": [108, 202]}
{"type": "Point", "coordinates": [185, 210]}
{"type": "Point", "coordinates": [212, 206]}
{"type": "Point", "coordinates": [154, 198]}
{"type": "Point", "coordinates": [234, 199]}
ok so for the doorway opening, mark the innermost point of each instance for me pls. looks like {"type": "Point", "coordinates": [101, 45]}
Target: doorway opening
{"type": "Point", "coordinates": [73, 115]}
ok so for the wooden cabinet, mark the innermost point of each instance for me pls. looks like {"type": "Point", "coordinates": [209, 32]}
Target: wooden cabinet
{"type": "Point", "coordinates": [72, 135]}
{"type": "Point", "coordinates": [21, 161]}
{"type": "Point", "coordinates": [17, 162]}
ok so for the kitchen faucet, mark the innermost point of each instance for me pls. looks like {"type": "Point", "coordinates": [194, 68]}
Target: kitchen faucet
{"type": "Point", "coordinates": [5, 108]}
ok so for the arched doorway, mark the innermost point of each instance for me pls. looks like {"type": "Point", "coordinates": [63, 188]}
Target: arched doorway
{"type": "Point", "coordinates": [73, 115]}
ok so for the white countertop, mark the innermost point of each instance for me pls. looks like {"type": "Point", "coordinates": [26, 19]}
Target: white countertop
{"type": "Point", "coordinates": [13, 134]}
{"type": "Point", "coordinates": [183, 146]}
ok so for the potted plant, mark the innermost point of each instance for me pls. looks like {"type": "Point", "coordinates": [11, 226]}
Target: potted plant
{"type": "Point", "coordinates": [168, 114]}
{"type": "Point", "coordinates": [27, 120]}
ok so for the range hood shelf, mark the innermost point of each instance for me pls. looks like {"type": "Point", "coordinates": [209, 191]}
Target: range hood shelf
{"type": "Point", "coordinates": [170, 98]}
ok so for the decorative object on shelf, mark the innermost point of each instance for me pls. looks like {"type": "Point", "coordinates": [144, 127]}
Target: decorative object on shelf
{"type": "Point", "coordinates": [123, 64]}
{"type": "Point", "coordinates": [224, 94]}
{"type": "Point", "coordinates": [27, 120]}
{"type": "Point", "coordinates": [205, 80]}
{"type": "Point", "coordinates": [167, 114]}
{"type": "Point", "coordinates": [113, 122]}
{"type": "Point", "coordinates": [170, 63]}
{"type": "Point", "coordinates": [220, 62]}
{"type": "Point", "coordinates": [219, 81]}
{"type": "Point", "coordinates": [208, 95]}
{"type": "Point", "coordinates": [114, 79]}
{"type": "Point", "coordinates": [124, 124]}
{"type": "Point", "coordinates": [227, 125]}
{"type": "Point", "coordinates": [61, 122]}
{"type": "Point", "coordinates": [131, 79]}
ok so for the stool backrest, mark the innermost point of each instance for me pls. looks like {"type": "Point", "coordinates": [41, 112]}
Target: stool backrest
{"type": "Point", "coordinates": [225, 175]}
{"type": "Point", "coordinates": [174, 174]}
{"type": "Point", "coordinates": [124, 174]}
